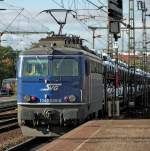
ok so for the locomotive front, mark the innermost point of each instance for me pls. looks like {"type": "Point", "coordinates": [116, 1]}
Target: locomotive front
{"type": "Point", "coordinates": [49, 91]}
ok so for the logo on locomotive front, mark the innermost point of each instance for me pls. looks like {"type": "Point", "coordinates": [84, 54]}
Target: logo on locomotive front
{"type": "Point", "coordinates": [52, 87]}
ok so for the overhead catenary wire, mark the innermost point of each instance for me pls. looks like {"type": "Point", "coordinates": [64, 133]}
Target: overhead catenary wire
{"type": "Point", "coordinates": [62, 3]}
{"type": "Point", "coordinates": [11, 7]}
{"type": "Point", "coordinates": [99, 7]}
{"type": "Point", "coordinates": [81, 23]}
{"type": "Point", "coordinates": [13, 20]}
{"type": "Point", "coordinates": [16, 8]}
{"type": "Point", "coordinates": [34, 18]}
{"type": "Point", "coordinates": [5, 28]}
{"type": "Point", "coordinates": [101, 2]}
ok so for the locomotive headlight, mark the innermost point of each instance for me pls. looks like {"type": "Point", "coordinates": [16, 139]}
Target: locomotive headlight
{"type": "Point", "coordinates": [66, 98]}
{"type": "Point", "coordinates": [72, 98]}
{"type": "Point", "coordinates": [27, 98]}
{"type": "Point", "coordinates": [33, 98]}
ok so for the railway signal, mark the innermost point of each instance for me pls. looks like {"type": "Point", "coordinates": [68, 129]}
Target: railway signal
{"type": "Point", "coordinates": [115, 9]}
{"type": "Point", "coordinates": [115, 15]}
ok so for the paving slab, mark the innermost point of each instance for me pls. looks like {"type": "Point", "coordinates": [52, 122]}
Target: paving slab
{"type": "Point", "coordinates": [105, 135]}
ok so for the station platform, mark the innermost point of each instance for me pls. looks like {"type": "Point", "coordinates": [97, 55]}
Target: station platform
{"type": "Point", "coordinates": [105, 135]}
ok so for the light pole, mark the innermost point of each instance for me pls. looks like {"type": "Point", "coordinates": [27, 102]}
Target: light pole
{"type": "Point", "coordinates": [142, 7]}
{"type": "Point", "coordinates": [93, 34]}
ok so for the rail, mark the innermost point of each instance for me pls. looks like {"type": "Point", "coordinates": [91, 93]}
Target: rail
{"type": "Point", "coordinates": [31, 143]}
{"type": "Point", "coordinates": [6, 105]}
{"type": "Point", "coordinates": [8, 121]}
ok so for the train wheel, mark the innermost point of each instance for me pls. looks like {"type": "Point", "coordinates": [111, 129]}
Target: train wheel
{"type": "Point", "coordinates": [76, 123]}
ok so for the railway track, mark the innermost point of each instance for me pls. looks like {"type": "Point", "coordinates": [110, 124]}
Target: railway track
{"type": "Point", "coordinates": [8, 121]}
{"type": "Point", "coordinates": [8, 115]}
{"type": "Point", "coordinates": [8, 105]}
{"type": "Point", "coordinates": [35, 143]}
{"type": "Point", "coordinates": [31, 144]}
{"type": "Point", "coordinates": [7, 108]}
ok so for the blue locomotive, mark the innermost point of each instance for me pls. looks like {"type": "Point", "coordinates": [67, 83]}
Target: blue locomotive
{"type": "Point", "coordinates": [60, 82]}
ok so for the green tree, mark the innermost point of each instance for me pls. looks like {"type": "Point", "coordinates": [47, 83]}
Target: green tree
{"type": "Point", "coordinates": [8, 59]}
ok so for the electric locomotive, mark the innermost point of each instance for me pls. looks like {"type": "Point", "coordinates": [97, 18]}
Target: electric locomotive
{"type": "Point", "coordinates": [60, 82]}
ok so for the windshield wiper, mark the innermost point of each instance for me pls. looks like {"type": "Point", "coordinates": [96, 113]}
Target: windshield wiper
{"type": "Point", "coordinates": [38, 60]}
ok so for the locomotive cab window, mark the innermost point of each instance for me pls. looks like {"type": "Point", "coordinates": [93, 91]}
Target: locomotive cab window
{"type": "Point", "coordinates": [35, 67]}
{"type": "Point", "coordinates": [65, 67]}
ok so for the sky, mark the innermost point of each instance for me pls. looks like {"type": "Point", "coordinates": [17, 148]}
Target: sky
{"type": "Point", "coordinates": [44, 22]}
{"type": "Point", "coordinates": [34, 5]}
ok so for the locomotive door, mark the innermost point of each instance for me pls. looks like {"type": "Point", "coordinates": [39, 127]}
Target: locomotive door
{"type": "Point", "coordinates": [87, 82]}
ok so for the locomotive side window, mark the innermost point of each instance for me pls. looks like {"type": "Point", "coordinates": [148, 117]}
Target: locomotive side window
{"type": "Point", "coordinates": [96, 67]}
{"type": "Point", "coordinates": [105, 58]}
{"type": "Point", "coordinates": [93, 67]}
{"type": "Point", "coordinates": [35, 67]}
{"type": "Point", "coordinates": [100, 68]}
{"type": "Point", "coordinates": [65, 67]}
{"type": "Point", "coordinates": [87, 67]}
